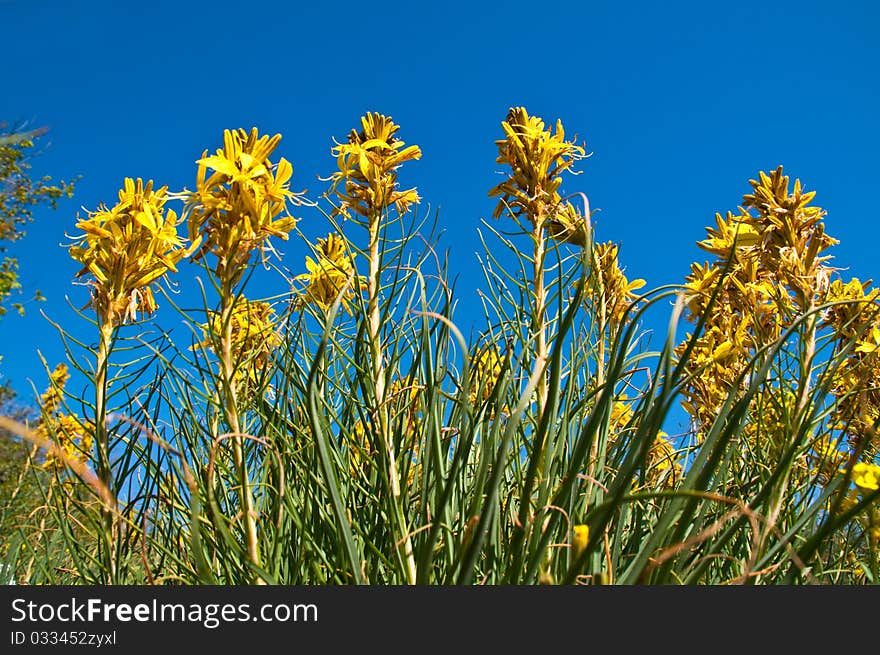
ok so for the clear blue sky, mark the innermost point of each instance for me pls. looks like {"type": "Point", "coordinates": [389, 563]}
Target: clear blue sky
{"type": "Point", "coordinates": [680, 103]}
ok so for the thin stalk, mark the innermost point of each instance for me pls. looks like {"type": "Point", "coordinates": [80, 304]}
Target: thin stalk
{"type": "Point", "coordinates": [602, 310]}
{"type": "Point", "coordinates": [230, 413]}
{"type": "Point", "coordinates": [403, 540]}
{"type": "Point", "coordinates": [102, 439]}
{"type": "Point", "coordinates": [539, 325]}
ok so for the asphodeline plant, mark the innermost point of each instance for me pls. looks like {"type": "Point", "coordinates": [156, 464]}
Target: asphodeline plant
{"type": "Point", "coordinates": [767, 274]}
{"type": "Point", "coordinates": [233, 213]}
{"type": "Point", "coordinates": [367, 186]}
{"type": "Point", "coordinates": [350, 430]}
{"type": "Point", "coordinates": [124, 250]}
{"type": "Point", "coordinates": [762, 308]}
{"type": "Point", "coordinates": [537, 158]}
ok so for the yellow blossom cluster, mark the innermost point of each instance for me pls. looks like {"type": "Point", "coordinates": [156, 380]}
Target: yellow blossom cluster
{"type": "Point", "coordinates": [537, 158]}
{"type": "Point", "coordinates": [73, 437]}
{"type": "Point", "coordinates": [126, 248]}
{"type": "Point", "coordinates": [856, 382]}
{"type": "Point", "coordinates": [254, 337]}
{"type": "Point", "coordinates": [332, 274]}
{"type": "Point", "coordinates": [486, 367]}
{"type": "Point", "coordinates": [611, 292]}
{"type": "Point", "coordinates": [825, 458]}
{"type": "Point", "coordinates": [866, 480]}
{"type": "Point", "coordinates": [866, 476]}
{"type": "Point", "coordinates": [663, 467]}
{"type": "Point", "coordinates": [242, 203]}
{"type": "Point", "coordinates": [367, 168]}
{"type": "Point", "coordinates": [776, 271]}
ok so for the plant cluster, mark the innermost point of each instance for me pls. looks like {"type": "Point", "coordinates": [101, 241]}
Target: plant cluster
{"type": "Point", "coordinates": [349, 432]}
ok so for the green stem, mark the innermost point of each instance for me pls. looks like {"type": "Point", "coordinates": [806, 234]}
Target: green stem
{"type": "Point", "coordinates": [402, 539]}
{"type": "Point", "coordinates": [230, 413]}
{"type": "Point", "coordinates": [102, 439]}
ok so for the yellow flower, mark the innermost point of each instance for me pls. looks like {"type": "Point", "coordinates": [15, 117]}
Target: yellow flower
{"type": "Point", "coordinates": [242, 203]}
{"type": "Point", "coordinates": [663, 467]}
{"type": "Point", "coordinates": [730, 230]}
{"type": "Point", "coordinates": [359, 451]}
{"type": "Point", "coordinates": [580, 539]}
{"type": "Point", "coordinates": [537, 158]}
{"type": "Point", "coordinates": [699, 285]}
{"type": "Point", "coordinates": [332, 274]}
{"type": "Point", "coordinates": [774, 271]}
{"type": "Point", "coordinates": [870, 343]}
{"type": "Point", "coordinates": [50, 401]}
{"type": "Point", "coordinates": [567, 225]}
{"type": "Point", "coordinates": [367, 167]}
{"type": "Point", "coordinates": [485, 370]}
{"type": "Point", "coordinates": [126, 248]}
{"type": "Point", "coordinates": [611, 290]}
{"type": "Point", "coordinates": [254, 337]}
{"type": "Point", "coordinates": [360, 455]}
{"type": "Point", "coordinates": [856, 319]}
{"type": "Point", "coordinates": [866, 476]}
{"type": "Point", "coordinates": [73, 437]}
{"type": "Point", "coordinates": [621, 415]}
{"type": "Point", "coordinates": [404, 391]}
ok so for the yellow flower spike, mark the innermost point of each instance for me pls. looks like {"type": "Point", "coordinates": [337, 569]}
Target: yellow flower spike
{"type": "Point", "coordinates": [73, 437]}
{"type": "Point", "coordinates": [126, 248]}
{"type": "Point", "coordinates": [242, 203]}
{"type": "Point", "coordinates": [617, 292]}
{"type": "Point", "coordinates": [580, 539]}
{"type": "Point", "coordinates": [771, 252]}
{"type": "Point", "coordinates": [485, 370]}
{"type": "Point", "coordinates": [254, 337]}
{"type": "Point", "coordinates": [333, 273]}
{"type": "Point", "coordinates": [537, 159]}
{"type": "Point", "coordinates": [50, 401]}
{"type": "Point", "coordinates": [856, 317]}
{"type": "Point", "coordinates": [663, 467]}
{"type": "Point", "coordinates": [367, 168]}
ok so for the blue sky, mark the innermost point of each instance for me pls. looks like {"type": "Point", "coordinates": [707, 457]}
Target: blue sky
{"type": "Point", "coordinates": [680, 104]}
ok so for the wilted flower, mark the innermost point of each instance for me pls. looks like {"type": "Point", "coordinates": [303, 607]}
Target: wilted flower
{"type": "Point", "coordinates": [126, 248]}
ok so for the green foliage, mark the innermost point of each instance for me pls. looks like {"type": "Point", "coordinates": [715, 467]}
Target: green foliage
{"type": "Point", "coordinates": [20, 196]}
